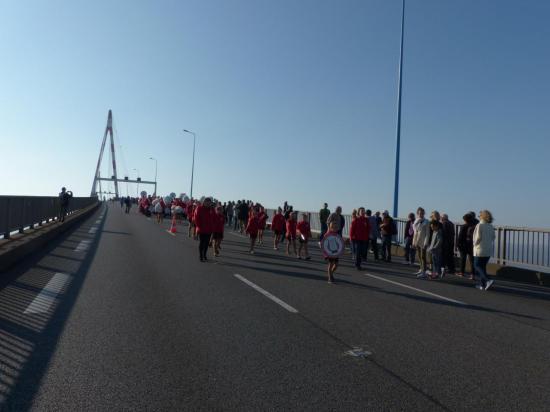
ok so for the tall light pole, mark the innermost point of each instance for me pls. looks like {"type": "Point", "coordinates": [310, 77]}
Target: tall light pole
{"type": "Point", "coordinates": [156, 164]}
{"type": "Point", "coordinates": [137, 188]}
{"type": "Point", "coordinates": [398, 138]}
{"type": "Point", "coordinates": [193, 165]}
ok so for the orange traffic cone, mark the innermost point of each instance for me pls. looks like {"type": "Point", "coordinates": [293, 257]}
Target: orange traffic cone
{"type": "Point", "coordinates": [173, 226]}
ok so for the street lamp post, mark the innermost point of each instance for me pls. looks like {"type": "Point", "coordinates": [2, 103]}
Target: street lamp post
{"type": "Point", "coordinates": [156, 164]}
{"type": "Point", "coordinates": [137, 187]}
{"type": "Point", "coordinates": [398, 137]}
{"type": "Point", "coordinates": [193, 164]}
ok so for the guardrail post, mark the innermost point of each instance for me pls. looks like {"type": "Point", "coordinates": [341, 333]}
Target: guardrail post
{"type": "Point", "coordinates": [504, 257]}
{"type": "Point", "coordinates": [498, 246]}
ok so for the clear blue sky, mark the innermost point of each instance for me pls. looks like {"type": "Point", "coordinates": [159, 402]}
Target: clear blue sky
{"type": "Point", "coordinates": [291, 100]}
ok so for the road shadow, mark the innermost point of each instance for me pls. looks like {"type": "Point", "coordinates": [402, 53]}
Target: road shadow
{"type": "Point", "coordinates": [28, 341]}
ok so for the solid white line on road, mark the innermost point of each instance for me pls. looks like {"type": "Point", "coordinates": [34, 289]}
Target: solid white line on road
{"type": "Point", "coordinates": [83, 246]}
{"type": "Point", "coordinates": [266, 294]}
{"type": "Point", "coordinates": [416, 289]}
{"type": "Point", "coordinates": [45, 299]}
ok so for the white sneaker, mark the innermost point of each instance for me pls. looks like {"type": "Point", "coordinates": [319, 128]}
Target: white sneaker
{"type": "Point", "coordinates": [421, 275]}
{"type": "Point", "coordinates": [420, 272]}
{"type": "Point", "coordinates": [479, 287]}
{"type": "Point", "coordinates": [489, 283]}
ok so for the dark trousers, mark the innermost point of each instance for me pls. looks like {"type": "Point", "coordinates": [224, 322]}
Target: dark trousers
{"type": "Point", "coordinates": [62, 213]}
{"type": "Point", "coordinates": [386, 247]}
{"type": "Point", "coordinates": [468, 255]}
{"type": "Point", "coordinates": [410, 251]}
{"type": "Point", "coordinates": [204, 240]}
{"type": "Point", "coordinates": [374, 246]}
{"type": "Point", "coordinates": [449, 258]}
{"type": "Point", "coordinates": [324, 229]}
{"type": "Point", "coordinates": [360, 251]}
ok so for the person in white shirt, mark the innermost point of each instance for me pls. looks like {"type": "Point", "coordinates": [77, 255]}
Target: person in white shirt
{"type": "Point", "coordinates": [484, 244]}
{"type": "Point", "coordinates": [421, 239]}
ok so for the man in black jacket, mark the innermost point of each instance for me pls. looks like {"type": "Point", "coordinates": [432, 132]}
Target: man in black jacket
{"type": "Point", "coordinates": [448, 244]}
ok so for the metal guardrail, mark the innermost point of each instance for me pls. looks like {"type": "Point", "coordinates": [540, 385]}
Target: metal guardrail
{"type": "Point", "coordinates": [528, 248]}
{"type": "Point", "coordinates": [18, 213]}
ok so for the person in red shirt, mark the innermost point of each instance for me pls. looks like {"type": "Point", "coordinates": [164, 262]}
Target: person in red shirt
{"type": "Point", "coordinates": [304, 234]}
{"type": "Point", "coordinates": [262, 219]}
{"type": "Point", "coordinates": [252, 229]}
{"type": "Point", "coordinates": [277, 226]}
{"type": "Point", "coordinates": [359, 235]}
{"type": "Point", "coordinates": [204, 222]}
{"type": "Point", "coordinates": [291, 233]}
{"type": "Point", "coordinates": [217, 235]}
{"type": "Point", "coordinates": [191, 216]}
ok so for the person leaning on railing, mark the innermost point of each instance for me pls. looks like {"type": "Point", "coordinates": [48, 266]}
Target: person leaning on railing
{"type": "Point", "coordinates": [64, 199]}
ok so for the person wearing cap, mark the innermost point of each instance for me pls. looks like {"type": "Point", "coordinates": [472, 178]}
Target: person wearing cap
{"type": "Point", "coordinates": [387, 230]}
{"type": "Point", "coordinates": [204, 226]}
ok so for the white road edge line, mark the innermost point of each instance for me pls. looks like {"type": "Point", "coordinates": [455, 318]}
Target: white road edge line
{"type": "Point", "coordinates": [416, 289]}
{"type": "Point", "coordinates": [45, 299]}
{"type": "Point", "coordinates": [266, 293]}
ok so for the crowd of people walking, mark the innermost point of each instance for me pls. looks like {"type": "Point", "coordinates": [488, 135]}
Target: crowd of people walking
{"type": "Point", "coordinates": [432, 241]}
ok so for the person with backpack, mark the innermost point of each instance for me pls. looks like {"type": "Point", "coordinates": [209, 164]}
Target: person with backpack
{"type": "Point", "coordinates": [387, 231]}
{"type": "Point", "coordinates": [64, 199]}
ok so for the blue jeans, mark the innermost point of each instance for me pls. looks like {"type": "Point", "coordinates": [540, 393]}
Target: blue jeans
{"type": "Point", "coordinates": [480, 268]}
{"type": "Point", "coordinates": [410, 251]}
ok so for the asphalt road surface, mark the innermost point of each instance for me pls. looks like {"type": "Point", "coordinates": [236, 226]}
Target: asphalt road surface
{"type": "Point", "coordinates": [120, 315]}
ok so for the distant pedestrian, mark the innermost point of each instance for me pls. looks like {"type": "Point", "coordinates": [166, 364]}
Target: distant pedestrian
{"type": "Point", "coordinates": [353, 244]}
{"type": "Point", "coordinates": [337, 218]}
{"type": "Point", "coordinates": [387, 231]}
{"type": "Point", "coordinates": [435, 249]}
{"type": "Point", "coordinates": [304, 234]}
{"type": "Point", "coordinates": [252, 229]}
{"type": "Point", "coordinates": [421, 240]}
{"type": "Point", "coordinates": [484, 238]}
{"type": "Point", "coordinates": [448, 251]}
{"type": "Point", "coordinates": [332, 261]}
{"type": "Point", "coordinates": [64, 200]}
{"type": "Point", "coordinates": [410, 251]}
{"type": "Point", "coordinates": [204, 222]}
{"type": "Point", "coordinates": [128, 204]}
{"type": "Point", "coordinates": [243, 216]}
{"type": "Point", "coordinates": [374, 234]}
{"type": "Point", "coordinates": [277, 226]}
{"type": "Point", "coordinates": [262, 221]}
{"type": "Point", "coordinates": [291, 233]}
{"type": "Point", "coordinates": [324, 213]}
{"type": "Point", "coordinates": [465, 244]}
{"type": "Point", "coordinates": [359, 236]}
{"type": "Point", "coordinates": [218, 227]}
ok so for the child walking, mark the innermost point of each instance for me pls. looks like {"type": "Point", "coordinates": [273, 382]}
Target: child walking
{"type": "Point", "coordinates": [332, 261]}
{"type": "Point", "coordinates": [252, 229]}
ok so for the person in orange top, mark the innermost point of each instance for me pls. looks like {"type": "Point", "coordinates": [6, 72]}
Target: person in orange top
{"type": "Point", "coordinates": [217, 234]}
{"type": "Point", "coordinates": [277, 225]}
{"type": "Point", "coordinates": [291, 233]}
{"type": "Point", "coordinates": [304, 233]}
{"type": "Point", "coordinates": [262, 219]}
{"type": "Point", "coordinates": [191, 216]}
{"type": "Point", "coordinates": [252, 229]}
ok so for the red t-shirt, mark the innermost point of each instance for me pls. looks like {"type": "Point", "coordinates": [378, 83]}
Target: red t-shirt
{"type": "Point", "coordinates": [219, 222]}
{"type": "Point", "coordinates": [262, 219]}
{"type": "Point", "coordinates": [304, 228]}
{"type": "Point", "coordinates": [278, 222]}
{"type": "Point", "coordinates": [204, 219]}
{"type": "Point", "coordinates": [253, 226]}
{"type": "Point", "coordinates": [360, 228]}
{"type": "Point", "coordinates": [291, 228]}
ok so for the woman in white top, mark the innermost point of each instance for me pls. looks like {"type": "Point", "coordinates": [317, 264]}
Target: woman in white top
{"type": "Point", "coordinates": [484, 244]}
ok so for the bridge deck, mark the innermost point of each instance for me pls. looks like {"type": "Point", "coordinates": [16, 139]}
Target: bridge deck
{"type": "Point", "coordinates": [125, 316]}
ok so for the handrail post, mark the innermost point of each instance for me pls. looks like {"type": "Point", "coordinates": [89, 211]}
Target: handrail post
{"type": "Point", "coordinates": [504, 257]}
